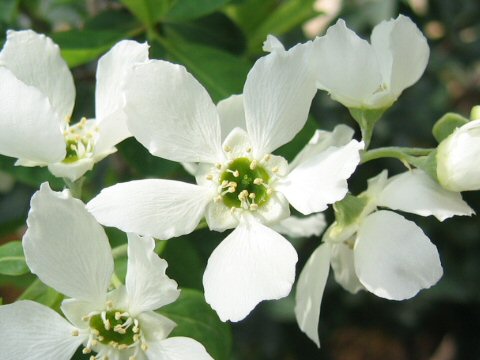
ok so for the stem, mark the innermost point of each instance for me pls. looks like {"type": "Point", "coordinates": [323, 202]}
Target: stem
{"type": "Point", "coordinates": [75, 186]}
{"type": "Point", "coordinates": [116, 281]}
{"type": "Point", "coordinates": [404, 154]}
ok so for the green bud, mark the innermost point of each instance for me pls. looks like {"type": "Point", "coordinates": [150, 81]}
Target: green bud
{"type": "Point", "coordinates": [447, 124]}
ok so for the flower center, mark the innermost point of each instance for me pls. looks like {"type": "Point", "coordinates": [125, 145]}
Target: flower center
{"type": "Point", "coordinates": [112, 330]}
{"type": "Point", "coordinates": [80, 140]}
{"type": "Point", "coordinates": [245, 184]}
{"type": "Point", "coordinates": [115, 326]}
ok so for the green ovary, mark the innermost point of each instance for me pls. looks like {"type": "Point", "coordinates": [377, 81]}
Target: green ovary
{"type": "Point", "coordinates": [246, 184]}
{"type": "Point", "coordinates": [111, 335]}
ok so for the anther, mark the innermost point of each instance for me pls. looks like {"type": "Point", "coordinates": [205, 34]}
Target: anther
{"type": "Point", "coordinates": [234, 173]}
{"type": "Point", "coordinates": [144, 347]}
{"type": "Point", "coordinates": [227, 148]}
{"type": "Point", "coordinates": [249, 150]}
{"type": "Point", "coordinates": [209, 177]}
{"type": "Point", "coordinates": [86, 350]}
{"type": "Point", "coordinates": [252, 196]}
{"type": "Point", "coordinates": [217, 198]}
{"type": "Point", "coordinates": [275, 169]}
{"type": "Point", "coordinates": [253, 164]}
{"type": "Point", "coordinates": [266, 157]}
{"type": "Point", "coordinates": [258, 181]}
{"type": "Point", "coordinates": [253, 207]}
{"type": "Point", "coordinates": [109, 304]}
{"type": "Point", "coordinates": [75, 332]}
{"type": "Point", "coordinates": [218, 166]}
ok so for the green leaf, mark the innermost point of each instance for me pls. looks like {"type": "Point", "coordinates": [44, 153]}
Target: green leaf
{"type": "Point", "coordinates": [197, 320]}
{"type": "Point", "coordinates": [148, 12]}
{"type": "Point", "coordinates": [216, 30]}
{"type": "Point", "coordinates": [145, 164]}
{"type": "Point", "coordinates": [32, 176]}
{"type": "Point", "coordinates": [286, 17]}
{"type": "Point", "coordinates": [184, 263]}
{"type": "Point", "coordinates": [446, 125]}
{"type": "Point", "coordinates": [12, 260]}
{"type": "Point", "coordinates": [192, 9]}
{"type": "Point", "coordinates": [221, 73]}
{"type": "Point", "coordinates": [8, 10]}
{"type": "Point", "coordinates": [348, 210]}
{"type": "Point", "coordinates": [82, 46]}
{"type": "Point", "coordinates": [42, 294]}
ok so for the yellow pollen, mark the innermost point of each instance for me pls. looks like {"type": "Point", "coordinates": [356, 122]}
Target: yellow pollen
{"type": "Point", "coordinates": [253, 164]}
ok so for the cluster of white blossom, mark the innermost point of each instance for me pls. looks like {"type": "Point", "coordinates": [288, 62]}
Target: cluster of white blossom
{"type": "Point", "coordinates": [240, 184]}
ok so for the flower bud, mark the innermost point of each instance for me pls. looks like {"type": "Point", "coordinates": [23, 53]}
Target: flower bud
{"type": "Point", "coordinates": [457, 159]}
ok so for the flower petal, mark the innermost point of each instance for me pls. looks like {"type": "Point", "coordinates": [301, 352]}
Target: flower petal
{"type": "Point", "coordinates": [73, 170]}
{"type": "Point", "coordinates": [343, 267]}
{"type": "Point", "coordinates": [345, 66]}
{"type": "Point", "coordinates": [232, 114]}
{"type": "Point", "coordinates": [35, 60]}
{"type": "Point", "coordinates": [310, 287]}
{"type": "Point", "coordinates": [30, 331]}
{"type": "Point", "coordinates": [415, 192]}
{"type": "Point", "coordinates": [66, 247]}
{"type": "Point", "coordinates": [395, 264]}
{"type": "Point", "coordinates": [112, 71]}
{"type": "Point", "coordinates": [402, 52]}
{"type": "Point", "coordinates": [159, 208]}
{"type": "Point", "coordinates": [277, 96]}
{"type": "Point", "coordinates": [321, 179]}
{"type": "Point", "coordinates": [322, 140]}
{"type": "Point", "coordinates": [29, 128]}
{"type": "Point", "coordinates": [171, 114]}
{"type": "Point", "coordinates": [155, 327]}
{"type": "Point", "coordinates": [295, 226]}
{"type": "Point", "coordinates": [148, 287]}
{"type": "Point", "coordinates": [252, 264]}
{"type": "Point", "coordinates": [177, 348]}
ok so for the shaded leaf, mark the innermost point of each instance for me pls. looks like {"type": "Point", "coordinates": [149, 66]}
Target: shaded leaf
{"type": "Point", "coordinates": [12, 260]}
{"type": "Point", "coordinates": [192, 9]}
{"type": "Point", "coordinates": [197, 320]}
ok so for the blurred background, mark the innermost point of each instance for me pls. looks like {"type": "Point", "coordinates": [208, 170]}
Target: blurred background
{"type": "Point", "coordinates": [218, 41]}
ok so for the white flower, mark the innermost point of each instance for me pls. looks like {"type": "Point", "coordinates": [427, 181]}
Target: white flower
{"type": "Point", "coordinates": [369, 76]}
{"type": "Point", "coordinates": [36, 102]}
{"type": "Point", "coordinates": [241, 184]}
{"type": "Point", "coordinates": [69, 251]}
{"type": "Point", "coordinates": [379, 250]}
{"type": "Point", "coordinates": [457, 159]}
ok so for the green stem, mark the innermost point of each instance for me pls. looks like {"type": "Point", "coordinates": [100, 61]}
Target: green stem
{"type": "Point", "coordinates": [75, 186]}
{"type": "Point", "coordinates": [403, 154]}
{"type": "Point", "coordinates": [116, 281]}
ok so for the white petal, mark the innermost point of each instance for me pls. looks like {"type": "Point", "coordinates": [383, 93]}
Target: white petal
{"type": "Point", "coordinates": [252, 264]}
{"type": "Point", "coordinates": [219, 217]}
{"type": "Point", "coordinates": [171, 114]}
{"type": "Point", "coordinates": [158, 208]}
{"type": "Point", "coordinates": [177, 348]}
{"type": "Point", "coordinates": [295, 226]}
{"type": "Point", "coordinates": [35, 60]}
{"type": "Point", "coordinates": [30, 331]}
{"type": "Point", "coordinates": [345, 66]}
{"type": "Point", "coordinates": [74, 310]}
{"type": "Point", "coordinates": [66, 247]}
{"type": "Point", "coordinates": [148, 287]}
{"type": "Point", "coordinates": [29, 127]}
{"type": "Point", "coordinates": [393, 257]}
{"type": "Point", "coordinates": [457, 157]}
{"type": "Point", "coordinates": [73, 170]}
{"type": "Point", "coordinates": [321, 179]}
{"type": "Point", "coordinates": [272, 44]}
{"type": "Point", "coordinates": [415, 192]}
{"type": "Point", "coordinates": [112, 71]}
{"type": "Point", "coordinates": [276, 209]}
{"type": "Point", "coordinates": [310, 287]}
{"type": "Point", "coordinates": [155, 327]}
{"type": "Point", "coordinates": [237, 143]}
{"type": "Point", "coordinates": [342, 262]}
{"type": "Point", "coordinates": [402, 52]}
{"type": "Point", "coordinates": [277, 97]}
{"type": "Point", "coordinates": [321, 140]}
{"type": "Point", "coordinates": [232, 114]}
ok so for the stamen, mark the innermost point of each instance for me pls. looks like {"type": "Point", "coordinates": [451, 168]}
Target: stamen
{"type": "Point", "coordinates": [227, 148]}
{"type": "Point", "coordinates": [209, 177]}
{"type": "Point", "coordinates": [234, 173]}
{"type": "Point", "coordinates": [267, 158]}
{"type": "Point", "coordinates": [218, 166]}
{"type": "Point", "coordinates": [253, 164]}
{"type": "Point", "coordinates": [75, 332]}
{"type": "Point", "coordinates": [275, 169]}
{"type": "Point", "coordinates": [249, 150]}
{"type": "Point", "coordinates": [258, 181]}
